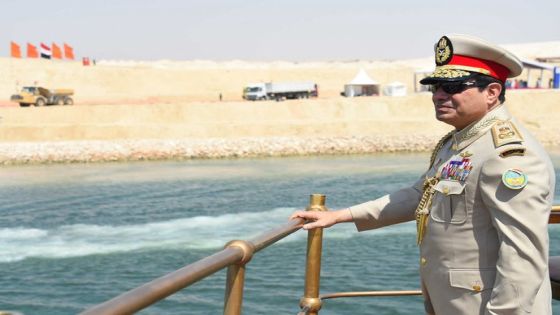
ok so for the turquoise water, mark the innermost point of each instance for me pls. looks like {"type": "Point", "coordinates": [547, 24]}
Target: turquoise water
{"type": "Point", "coordinates": [72, 236]}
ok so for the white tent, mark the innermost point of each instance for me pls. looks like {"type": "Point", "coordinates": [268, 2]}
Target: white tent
{"type": "Point", "coordinates": [395, 89]}
{"type": "Point", "coordinates": [361, 85]}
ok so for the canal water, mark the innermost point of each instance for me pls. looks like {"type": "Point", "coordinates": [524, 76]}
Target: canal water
{"type": "Point", "coordinates": [72, 236]}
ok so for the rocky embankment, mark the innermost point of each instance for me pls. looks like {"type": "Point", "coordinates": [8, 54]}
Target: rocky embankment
{"type": "Point", "coordinates": [137, 150]}
{"type": "Point", "coordinates": [103, 133]}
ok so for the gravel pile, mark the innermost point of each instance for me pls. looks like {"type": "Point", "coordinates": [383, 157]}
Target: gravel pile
{"type": "Point", "coordinates": [135, 150]}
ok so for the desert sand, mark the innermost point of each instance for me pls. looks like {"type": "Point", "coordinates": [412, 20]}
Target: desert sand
{"type": "Point", "coordinates": [131, 110]}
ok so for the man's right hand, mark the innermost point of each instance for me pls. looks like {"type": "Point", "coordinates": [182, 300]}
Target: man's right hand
{"type": "Point", "coordinates": [323, 219]}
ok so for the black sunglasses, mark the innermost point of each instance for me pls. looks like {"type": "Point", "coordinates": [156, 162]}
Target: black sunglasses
{"type": "Point", "coordinates": [456, 87]}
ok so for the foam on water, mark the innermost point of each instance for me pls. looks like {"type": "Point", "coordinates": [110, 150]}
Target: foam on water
{"type": "Point", "coordinates": [201, 232]}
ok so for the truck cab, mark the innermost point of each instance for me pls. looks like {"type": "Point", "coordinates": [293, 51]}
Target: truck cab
{"type": "Point", "coordinates": [28, 95]}
{"type": "Point", "coordinates": [255, 91]}
{"type": "Point", "coordinates": [40, 96]}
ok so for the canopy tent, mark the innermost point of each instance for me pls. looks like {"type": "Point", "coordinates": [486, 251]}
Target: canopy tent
{"type": "Point", "coordinates": [361, 85]}
{"type": "Point", "coordinates": [529, 66]}
{"type": "Point", "coordinates": [395, 89]}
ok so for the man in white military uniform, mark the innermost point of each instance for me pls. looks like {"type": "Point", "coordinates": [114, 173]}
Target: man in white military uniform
{"type": "Point", "coordinates": [482, 207]}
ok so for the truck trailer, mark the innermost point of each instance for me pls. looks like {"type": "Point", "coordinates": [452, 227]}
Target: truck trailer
{"type": "Point", "coordinates": [40, 96]}
{"type": "Point", "coordinates": [280, 91]}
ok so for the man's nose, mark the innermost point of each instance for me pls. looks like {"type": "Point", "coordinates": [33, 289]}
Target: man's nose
{"type": "Point", "coordinates": [439, 94]}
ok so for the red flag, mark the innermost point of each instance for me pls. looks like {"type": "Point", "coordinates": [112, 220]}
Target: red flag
{"type": "Point", "coordinates": [32, 51]}
{"type": "Point", "coordinates": [15, 50]}
{"type": "Point", "coordinates": [85, 61]}
{"type": "Point", "coordinates": [68, 52]}
{"type": "Point", "coordinates": [56, 52]}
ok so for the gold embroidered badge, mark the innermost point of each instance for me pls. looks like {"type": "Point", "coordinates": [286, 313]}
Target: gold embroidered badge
{"type": "Point", "coordinates": [444, 51]}
{"type": "Point", "coordinates": [450, 73]}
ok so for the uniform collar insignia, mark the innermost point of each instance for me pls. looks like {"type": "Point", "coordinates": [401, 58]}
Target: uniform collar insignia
{"type": "Point", "coordinates": [465, 154]}
{"type": "Point", "coordinates": [463, 138]}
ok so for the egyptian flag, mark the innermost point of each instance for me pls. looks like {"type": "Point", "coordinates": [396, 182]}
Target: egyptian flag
{"type": "Point", "coordinates": [32, 51]}
{"type": "Point", "coordinates": [56, 51]}
{"type": "Point", "coordinates": [15, 51]}
{"type": "Point", "coordinates": [68, 52]}
{"type": "Point", "coordinates": [45, 51]}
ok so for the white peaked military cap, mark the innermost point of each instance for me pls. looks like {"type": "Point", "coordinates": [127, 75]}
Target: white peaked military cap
{"type": "Point", "coordinates": [460, 56]}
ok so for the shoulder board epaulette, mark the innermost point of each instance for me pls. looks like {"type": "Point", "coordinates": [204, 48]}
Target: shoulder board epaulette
{"type": "Point", "coordinates": [505, 132]}
{"type": "Point", "coordinates": [513, 151]}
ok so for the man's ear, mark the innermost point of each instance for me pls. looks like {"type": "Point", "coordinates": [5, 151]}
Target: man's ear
{"type": "Point", "coordinates": [493, 91]}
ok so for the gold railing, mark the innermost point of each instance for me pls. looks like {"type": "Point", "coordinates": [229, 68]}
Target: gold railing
{"type": "Point", "coordinates": [235, 256]}
{"type": "Point", "coordinates": [555, 215]}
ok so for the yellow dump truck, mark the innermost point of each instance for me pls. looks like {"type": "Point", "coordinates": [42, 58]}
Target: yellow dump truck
{"type": "Point", "coordinates": [40, 96]}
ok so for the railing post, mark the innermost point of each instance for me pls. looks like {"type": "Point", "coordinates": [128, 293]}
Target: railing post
{"type": "Point", "coordinates": [235, 282]}
{"type": "Point", "coordinates": [310, 300]}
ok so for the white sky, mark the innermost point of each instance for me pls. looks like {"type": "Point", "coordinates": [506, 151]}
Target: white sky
{"type": "Point", "coordinates": [295, 30]}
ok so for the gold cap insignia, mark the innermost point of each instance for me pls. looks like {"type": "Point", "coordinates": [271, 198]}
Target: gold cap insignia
{"type": "Point", "coordinates": [444, 51]}
{"type": "Point", "coordinates": [447, 72]}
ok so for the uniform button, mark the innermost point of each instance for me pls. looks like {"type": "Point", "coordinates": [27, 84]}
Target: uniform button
{"type": "Point", "coordinates": [423, 261]}
{"type": "Point", "coordinates": [476, 288]}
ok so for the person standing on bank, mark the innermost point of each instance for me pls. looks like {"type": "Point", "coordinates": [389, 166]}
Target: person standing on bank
{"type": "Point", "coordinates": [483, 205]}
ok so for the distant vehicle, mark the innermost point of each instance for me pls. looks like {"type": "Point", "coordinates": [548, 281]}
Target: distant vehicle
{"type": "Point", "coordinates": [280, 90]}
{"type": "Point", "coordinates": [39, 96]}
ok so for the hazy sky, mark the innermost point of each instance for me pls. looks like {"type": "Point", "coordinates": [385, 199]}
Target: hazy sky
{"type": "Point", "coordinates": [296, 30]}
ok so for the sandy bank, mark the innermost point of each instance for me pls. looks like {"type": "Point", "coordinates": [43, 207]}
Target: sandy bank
{"type": "Point", "coordinates": [131, 110]}
{"type": "Point", "coordinates": [124, 82]}
{"type": "Point", "coordinates": [240, 129]}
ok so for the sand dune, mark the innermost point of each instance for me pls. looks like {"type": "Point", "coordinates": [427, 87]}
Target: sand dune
{"type": "Point", "coordinates": [117, 82]}
{"type": "Point", "coordinates": [178, 100]}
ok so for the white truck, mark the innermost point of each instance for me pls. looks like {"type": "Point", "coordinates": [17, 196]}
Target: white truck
{"type": "Point", "coordinates": [280, 90]}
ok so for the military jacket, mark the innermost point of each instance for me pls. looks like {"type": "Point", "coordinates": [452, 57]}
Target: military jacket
{"type": "Point", "coordinates": [485, 249]}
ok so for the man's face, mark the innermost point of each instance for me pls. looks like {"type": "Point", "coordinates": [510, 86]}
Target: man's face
{"type": "Point", "coordinates": [462, 108]}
